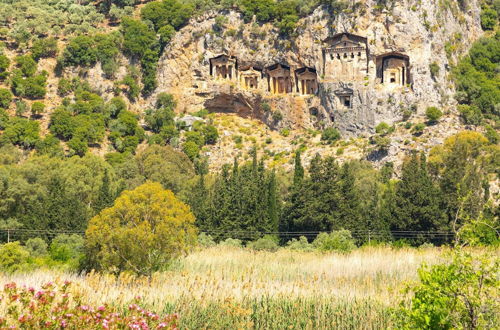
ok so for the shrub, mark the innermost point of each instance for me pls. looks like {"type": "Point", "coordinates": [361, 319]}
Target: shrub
{"type": "Point", "coordinates": [50, 146]}
{"type": "Point", "coordinates": [277, 116]}
{"type": "Point", "coordinates": [115, 106]}
{"type": "Point", "coordinates": [492, 135]}
{"type": "Point", "coordinates": [13, 257]}
{"type": "Point", "coordinates": [62, 124]}
{"type": "Point", "coordinates": [4, 118]}
{"type": "Point", "coordinates": [418, 129]}
{"type": "Point", "coordinates": [22, 132]}
{"type": "Point", "coordinates": [172, 13]}
{"type": "Point", "coordinates": [27, 65]}
{"type": "Point", "coordinates": [36, 247]}
{"type": "Point", "coordinates": [78, 146]}
{"type": "Point", "coordinates": [37, 108]}
{"type": "Point", "coordinates": [44, 47]}
{"type": "Point", "coordinates": [132, 86]}
{"type": "Point", "coordinates": [147, 218]}
{"type": "Point", "coordinates": [210, 134]}
{"type": "Point", "coordinates": [5, 98]}
{"type": "Point", "coordinates": [80, 50]}
{"type": "Point", "coordinates": [64, 87]}
{"type": "Point", "coordinates": [196, 137]}
{"type": "Point", "coordinates": [433, 114]}
{"type": "Point", "coordinates": [382, 128]}
{"type": "Point", "coordinates": [382, 142]}
{"type": "Point", "coordinates": [231, 242]}
{"type": "Point", "coordinates": [21, 107]}
{"type": "Point", "coordinates": [489, 18]}
{"type": "Point", "coordinates": [33, 87]}
{"type": "Point", "coordinates": [4, 66]}
{"type": "Point", "coordinates": [266, 107]}
{"type": "Point", "coordinates": [205, 240]}
{"type": "Point", "coordinates": [266, 243]}
{"type": "Point", "coordinates": [340, 240]}
{"type": "Point", "coordinates": [191, 149]}
{"type": "Point", "coordinates": [434, 69]}
{"type": "Point", "coordinates": [471, 115]}
{"type": "Point", "coordinates": [299, 245]}
{"type": "Point", "coordinates": [67, 248]}
{"type": "Point", "coordinates": [458, 295]}
{"type": "Point", "coordinates": [330, 135]}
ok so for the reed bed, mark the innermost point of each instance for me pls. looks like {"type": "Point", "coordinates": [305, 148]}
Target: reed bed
{"type": "Point", "coordinates": [225, 287]}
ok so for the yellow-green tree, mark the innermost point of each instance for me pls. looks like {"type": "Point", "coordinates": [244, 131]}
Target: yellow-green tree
{"type": "Point", "coordinates": [142, 232]}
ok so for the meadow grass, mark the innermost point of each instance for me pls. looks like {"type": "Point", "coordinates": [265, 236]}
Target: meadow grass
{"type": "Point", "coordinates": [224, 287]}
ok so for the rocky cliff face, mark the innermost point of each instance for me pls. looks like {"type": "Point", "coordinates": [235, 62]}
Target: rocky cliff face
{"type": "Point", "coordinates": [354, 98]}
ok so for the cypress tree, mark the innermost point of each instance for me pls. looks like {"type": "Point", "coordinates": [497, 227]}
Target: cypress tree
{"type": "Point", "coordinates": [298, 173]}
{"type": "Point", "coordinates": [417, 200]}
{"type": "Point", "coordinates": [105, 197]}
{"type": "Point", "coordinates": [273, 204]}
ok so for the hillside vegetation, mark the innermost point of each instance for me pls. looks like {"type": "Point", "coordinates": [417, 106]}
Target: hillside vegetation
{"type": "Point", "coordinates": [224, 220]}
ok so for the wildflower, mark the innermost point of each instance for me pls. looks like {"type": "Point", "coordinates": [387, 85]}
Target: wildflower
{"type": "Point", "coordinates": [63, 324]}
{"type": "Point", "coordinates": [162, 325]}
{"type": "Point", "coordinates": [101, 308]}
{"type": "Point", "coordinates": [11, 285]}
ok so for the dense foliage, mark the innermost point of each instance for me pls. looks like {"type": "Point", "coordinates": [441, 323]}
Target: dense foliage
{"type": "Point", "coordinates": [142, 232]}
{"type": "Point", "coordinates": [478, 86]}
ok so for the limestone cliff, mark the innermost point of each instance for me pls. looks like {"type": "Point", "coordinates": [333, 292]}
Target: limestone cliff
{"type": "Point", "coordinates": [348, 94]}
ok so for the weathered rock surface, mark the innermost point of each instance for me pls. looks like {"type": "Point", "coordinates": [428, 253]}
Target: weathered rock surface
{"type": "Point", "coordinates": [422, 30]}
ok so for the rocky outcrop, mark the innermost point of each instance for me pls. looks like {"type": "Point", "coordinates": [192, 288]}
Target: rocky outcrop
{"type": "Point", "coordinates": [426, 31]}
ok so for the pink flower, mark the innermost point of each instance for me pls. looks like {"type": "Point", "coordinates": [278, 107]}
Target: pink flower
{"type": "Point", "coordinates": [63, 324]}
{"type": "Point", "coordinates": [101, 308]}
{"type": "Point", "coordinates": [84, 308]}
{"type": "Point", "coordinates": [162, 325]}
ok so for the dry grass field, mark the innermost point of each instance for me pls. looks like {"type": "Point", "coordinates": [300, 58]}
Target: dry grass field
{"type": "Point", "coordinates": [225, 287]}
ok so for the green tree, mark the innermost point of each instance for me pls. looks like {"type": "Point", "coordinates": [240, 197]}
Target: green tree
{"type": "Point", "coordinates": [80, 50]}
{"type": "Point", "coordinates": [418, 201]}
{"type": "Point", "coordinates": [456, 295]}
{"type": "Point", "coordinates": [147, 218]}
{"type": "Point", "coordinates": [298, 173]}
{"type": "Point", "coordinates": [22, 132]}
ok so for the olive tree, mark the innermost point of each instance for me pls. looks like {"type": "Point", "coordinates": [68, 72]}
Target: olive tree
{"type": "Point", "coordinates": [142, 232]}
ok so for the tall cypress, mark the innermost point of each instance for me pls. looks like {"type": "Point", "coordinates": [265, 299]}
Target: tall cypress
{"type": "Point", "coordinates": [105, 197]}
{"type": "Point", "coordinates": [298, 173]}
{"type": "Point", "coordinates": [418, 201]}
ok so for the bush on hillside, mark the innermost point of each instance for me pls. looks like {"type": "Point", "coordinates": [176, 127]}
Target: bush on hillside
{"type": "Point", "coordinates": [433, 114]}
{"type": "Point", "coordinates": [5, 98]}
{"type": "Point", "coordinates": [330, 135]}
